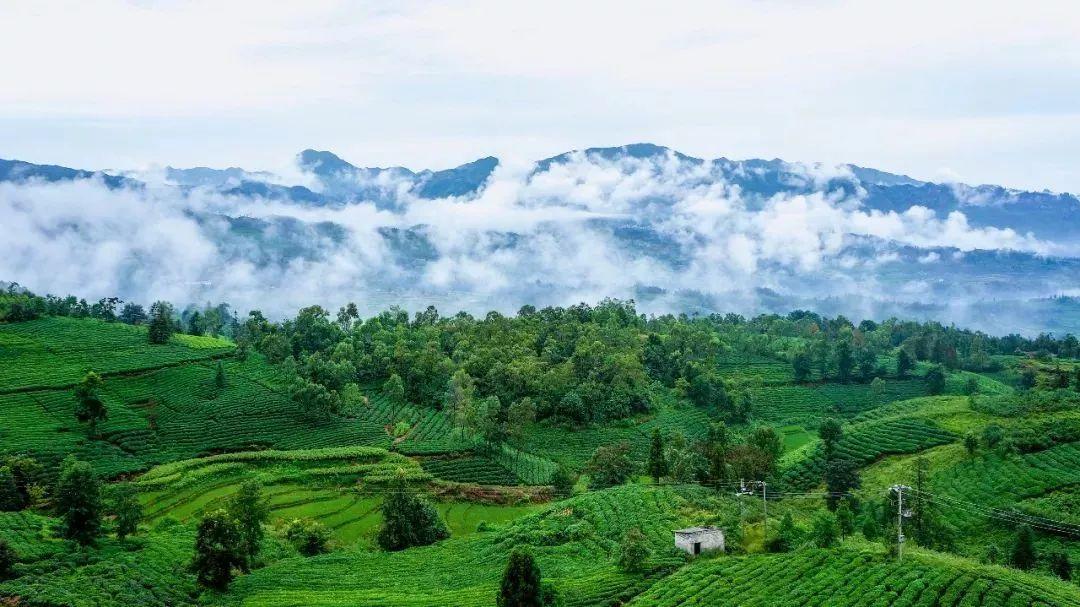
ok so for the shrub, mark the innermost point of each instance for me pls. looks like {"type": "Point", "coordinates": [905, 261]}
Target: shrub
{"type": "Point", "coordinates": [308, 536]}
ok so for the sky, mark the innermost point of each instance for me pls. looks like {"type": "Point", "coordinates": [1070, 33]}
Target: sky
{"type": "Point", "coordinates": [979, 92]}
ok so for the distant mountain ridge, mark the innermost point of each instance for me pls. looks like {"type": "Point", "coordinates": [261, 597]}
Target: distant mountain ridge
{"type": "Point", "coordinates": [658, 224]}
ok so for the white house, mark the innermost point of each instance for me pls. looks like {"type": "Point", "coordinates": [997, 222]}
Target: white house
{"type": "Point", "coordinates": [695, 540]}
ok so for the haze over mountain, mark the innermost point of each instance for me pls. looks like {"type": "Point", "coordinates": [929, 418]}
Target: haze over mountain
{"type": "Point", "coordinates": [640, 221]}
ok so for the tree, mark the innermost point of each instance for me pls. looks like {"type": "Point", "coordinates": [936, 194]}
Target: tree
{"type": "Point", "coordinates": [767, 440]}
{"type": "Point", "coordinates": [275, 347]}
{"type": "Point", "coordinates": [844, 360]}
{"type": "Point", "coordinates": [250, 509]}
{"type": "Point", "coordinates": [133, 314]}
{"type": "Point", "coordinates": [971, 386]}
{"type": "Point", "coordinates": [904, 364]}
{"type": "Point", "coordinates": [10, 499]}
{"type": "Point", "coordinates": [563, 481]}
{"type": "Point", "coordinates": [1023, 552]}
{"type": "Point", "coordinates": [824, 530]}
{"type": "Point", "coordinates": [935, 379]}
{"type": "Point", "coordinates": [572, 407]}
{"type": "Point", "coordinates": [394, 390]}
{"type": "Point", "coordinates": [409, 519]}
{"type": "Point", "coordinates": [992, 436]}
{"type": "Point", "coordinates": [610, 466]}
{"type": "Point", "coordinates": [658, 464]}
{"type": "Point", "coordinates": [841, 476]}
{"type": "Point", "coordinates": [830, 433]}
{"type": "Point", "coordinates": [89, 408]}
{"type": "Point", "coordinates": [801, 365]}
{"type": "Point", "coordinates": [845, 520]}
{"type": "Point", "coordinates": [635, 552]}
{"type": "Point", "coordinates": [717, 445]}
{"type": "Point", "coordinates": [161, 322]}
{"type": "Point", "coordinates": [218, 550]}
{"type": "Point", "coordinates": [521, 585]}
{"type": "Point", "coordinates": [787, 536]}
{"type": "Point", "coordinates": [1060, 565]}
{"type": "Point", "coordinates": [219, 376]}
{"type": "Point", "coordinates": [314, 399]}
{"type": "Point", "coordinates": [127, 510]}
{"type": "Point", "coordinates": [877, 389]}
{"type": "Point", "coordinates": [308, 536]}
{"type": "Point", "coordinates": [519, 415]}
{"type": "Point", "coordinates": [78, 501]}
{"type": "Point", "coordinates": [971, 442]}
{"type": "Point", "coordinates": [8, 558]}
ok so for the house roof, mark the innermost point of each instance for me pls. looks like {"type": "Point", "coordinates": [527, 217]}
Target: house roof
{"type": "Point", "coordinates": [695, 530]}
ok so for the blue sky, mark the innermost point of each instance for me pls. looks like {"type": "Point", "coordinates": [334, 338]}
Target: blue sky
{"type": "Point", "coordinates": [975, 91]}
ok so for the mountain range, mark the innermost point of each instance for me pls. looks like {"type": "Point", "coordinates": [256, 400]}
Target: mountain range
{"type": "Point", "coordinates": [675, 232]}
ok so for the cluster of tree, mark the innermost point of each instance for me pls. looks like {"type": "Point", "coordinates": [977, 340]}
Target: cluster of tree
{"type": "Point", "coordinates": [17, 304]}
{"type": "Point", "coordinates": [23, 483]}
{"type": "Point", "coordinates": [716, 459]}
{"type": "Point", "coordinates": [409, 518]}
{"type": "Point", "coordinates": [229, 539]}
{"type": "Point", "coordinates": [521, 584]}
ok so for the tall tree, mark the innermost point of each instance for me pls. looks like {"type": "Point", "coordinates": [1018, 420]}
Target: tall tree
{"type": "Point", "coordinates": [219, 376]}
{"type": "Point", "coordinates": [844, 360]}
{"type": "Point", "coordinates": [89, 408]}
{"type": "Point", "coordinates": [801, 364]}
{"type": "Point", "coordinates": [610, 466]}
{"type": "Point", "coordinates": [409, 519]}
{"type": "Point", "coordinates": [10, 499]}
{"type": "Point", "coordinates": [8, 558]}
{"type": "Point", "coordinates": [127, 510]}
{"type": "Point", "coordinates": [1060, 565]}
{"type": "Point", "coordinates": [845, 519]}
{"type": "Point", "coordinates": [904, 364]}
{"type": "Point", "coordinates": [161, 322]}
{"type": "Point", "coordinates": [841, 476]}
{"type": "Point", "coordinates": [78, 501]}
{"type": "Point", "coordinates": [718, 443]}
{"type": "Point", "coordinates": [521, 586]}
{"type": "Point", "coordinates": [935, 379]}
{"type": "Point", "coordinates": [635, 552]}
{"type": "Point", "coordinates": [658, 464]}
{"type": "Point", "coordinates": [1023, 552]}
{"type": "Point", "coordinates": [830, 433]}
{"type": "Point", "coordinates": [218, 550]}
{"type": "Point", "coordinates": [250, 509]}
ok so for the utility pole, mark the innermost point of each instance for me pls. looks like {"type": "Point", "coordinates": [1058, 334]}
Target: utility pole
{"type": "Point", "coordinates": [765, 511]}
{"type": "Point", "coordinates": [899, 489]}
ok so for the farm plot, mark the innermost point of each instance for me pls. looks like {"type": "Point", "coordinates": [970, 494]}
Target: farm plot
{"type": "Point", "coordinates": [57, 352]}
{"type": "Point", "coordinates": [571, 541]}
{"type": "Point", "coordinates": [807, 404]}
{"type": "Point", "coordinates": [849, 577]}
{"type": "Point", "coordinates": [864, 443]}
{"type": "Point", "coordinates": [972, 488]}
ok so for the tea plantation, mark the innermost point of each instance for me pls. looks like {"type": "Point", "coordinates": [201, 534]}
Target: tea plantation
{"type": "Point", "coordinates": [585, 437]}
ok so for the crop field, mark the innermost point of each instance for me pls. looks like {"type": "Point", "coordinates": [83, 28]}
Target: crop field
{"type": "Point", "coordinates": [865, 443]}
{"type": "Point", "coordinates": [574, 448]}
{"type": "Point", "coordinates": [977, 486]}
{"type": "Point", "coordinates": [57, 352]}
{"type": "Point", "coordinates": [808, 404]}
{"type": "Point", "coordinates": [854, 577]}
{"type": "Point", "coordinates": [572, 543]}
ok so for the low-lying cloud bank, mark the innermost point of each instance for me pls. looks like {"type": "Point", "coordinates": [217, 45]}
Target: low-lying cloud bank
{"type": "Point", "coordinates": [585, 228]}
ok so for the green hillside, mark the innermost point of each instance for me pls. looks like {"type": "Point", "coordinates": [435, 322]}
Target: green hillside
{"type": "Point", "coordinates": [540, 431]}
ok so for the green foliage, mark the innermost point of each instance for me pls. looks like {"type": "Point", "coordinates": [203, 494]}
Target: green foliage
{"type": "Point", "coordinates": [635, 552]}
{"type": "Point", "coordinates": [409, 519]}
{"type": "Point", "coordinates": [521, 585]}
{"type": "Point", "coordinates": [89, 408]}
{"type": "Point", "coordinates": [250, 510]}
{"type": "Point", "coordinates": [162, 325]}
{"type": "Point", "coordinates": [610, 466]}
{"type": "Point", "coordinates": [308, 536]}
{"type": "Point", "coordinates": [1060, 565]}
{"type": "Point", "coordinates": [788, 536]}
{"type": "Point", "coordinates": [935, 380]}
{"type": "Point", "coordinates": [127, 510]}
{"type": "Point", "coordinates": [824, 530]}
{"type": "Point", "coordinates": [971, 442]}
{"type": "Point", "coordinates": [830, 432]}
{"type": "Point", "coordinates": [219, 549]}
{"type": "Point", "coordinates": [563, 481]}
{"type": "Point", "coordinates": [845, 519]}
{"type": "Point", "coordinates": [657, 464]}
{"type": "Point", "coordinates": [10, 499]}
{"type": "Point", "coordinates": [8, 558]}
{"type": "Point", "coordinates": [219, 376]}
{"type": "Point", "coordinates": [78, 502]}
{"type": "Point", "coordinates": [1023, 550]}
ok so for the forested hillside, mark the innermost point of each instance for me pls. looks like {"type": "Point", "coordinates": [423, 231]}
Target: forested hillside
{"type": "Point", "coordinates": [195, 457]}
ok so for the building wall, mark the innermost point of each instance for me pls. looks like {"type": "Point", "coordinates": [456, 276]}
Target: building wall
{"type": "Point", "coordinates": [709, 541]}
